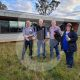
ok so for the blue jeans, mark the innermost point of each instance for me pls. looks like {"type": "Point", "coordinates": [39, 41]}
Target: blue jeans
{"type": "Point", "coordinates": [54, 45]}
{"type": "Point", "coordinates": [41, 43]}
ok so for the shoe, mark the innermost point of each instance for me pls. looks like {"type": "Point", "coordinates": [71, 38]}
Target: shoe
{"type": "Point", "coordinates": [31, 57]}
{"type": "Point", "coordinates": [58, 57]}
{"type": "Point", "coordinates": [44, 57]}
{"type": "Point", "coordinates": [69, 66]}
{"type": "Point", "coordinates": [51, 58]}
{"type": "Point", "coordinates": [21, 61]}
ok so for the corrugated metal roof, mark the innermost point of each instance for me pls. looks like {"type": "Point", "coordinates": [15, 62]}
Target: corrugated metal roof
{"type": "Point", "coordinates": [25, 15]}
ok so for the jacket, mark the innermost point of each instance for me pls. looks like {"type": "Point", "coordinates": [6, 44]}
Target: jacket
{"type": "Point", "coordinates": [72, 46]}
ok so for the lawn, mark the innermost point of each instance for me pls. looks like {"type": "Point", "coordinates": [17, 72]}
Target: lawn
{"type": "Point", "coordinates": [11, 69]}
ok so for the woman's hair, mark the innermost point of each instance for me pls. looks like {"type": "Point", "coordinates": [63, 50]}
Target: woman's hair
{"type": "Point", "coordinates": [69, 24]}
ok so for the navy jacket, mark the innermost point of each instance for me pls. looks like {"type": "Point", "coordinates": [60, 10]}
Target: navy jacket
{"type": "Point", "coordinates": [72, 43]}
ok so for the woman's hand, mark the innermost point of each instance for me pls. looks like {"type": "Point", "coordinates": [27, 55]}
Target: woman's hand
{"type": "Point", "coordinates": [68, 38]}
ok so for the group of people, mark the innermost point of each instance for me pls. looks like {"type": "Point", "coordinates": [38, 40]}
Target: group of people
{"type": "Point", "coordinates": [54, 34]}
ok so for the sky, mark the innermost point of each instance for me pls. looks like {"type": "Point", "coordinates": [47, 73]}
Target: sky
{"type": "Point", "coordinates": [67, 8]}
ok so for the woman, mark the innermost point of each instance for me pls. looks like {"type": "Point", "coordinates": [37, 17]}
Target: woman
{"type": "Point", "coordinates": [69, 46]}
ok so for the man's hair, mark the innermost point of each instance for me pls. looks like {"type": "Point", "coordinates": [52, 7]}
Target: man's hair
{"type": "Point", "coordinates": [27, 21]}
{"type": "Point", "coordinates": [53, 21]}
{"type": "Point", "coordinates": [41, 20]}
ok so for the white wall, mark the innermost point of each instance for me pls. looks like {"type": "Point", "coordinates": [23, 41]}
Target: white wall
{"type": "Point", "coordinates": [11, 37]}
{"type": "Point", "coordinates": [78, 32]}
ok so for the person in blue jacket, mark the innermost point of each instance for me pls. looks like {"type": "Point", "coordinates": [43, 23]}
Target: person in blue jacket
{"type": "Point", "coordinates": [69, 45]}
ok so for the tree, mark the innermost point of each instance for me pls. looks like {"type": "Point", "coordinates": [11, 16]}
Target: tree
{"type": "Point", "coordinates": [3, 6]}
{"type": "Point", "coordinates": [46, 7]}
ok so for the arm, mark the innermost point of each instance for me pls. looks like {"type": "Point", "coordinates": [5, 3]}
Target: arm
{"type": "Point", "coordinates": [24, 34]}
{"type": "Point", "coordinates": [35, 31]}
{"type": "Point", "coordinates": [32, 35]}
{"type": "Point", "coordinates": [45, 32]}
{"type": "Point", "coordinates": [60, 31]}
{"type": "Point", "coordinates": [73, 37]}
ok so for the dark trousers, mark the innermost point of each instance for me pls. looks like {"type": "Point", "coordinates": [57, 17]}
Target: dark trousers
{"type": "Point", "coordinates": [69, 58]}
{"type": "Point", "coordinates": [25, 46]}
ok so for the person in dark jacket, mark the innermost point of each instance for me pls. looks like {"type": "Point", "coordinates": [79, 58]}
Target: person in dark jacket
{"type": "Point", "coordinates": [41, 36]}
{"type": "Point", "coordinates": [69, 45]}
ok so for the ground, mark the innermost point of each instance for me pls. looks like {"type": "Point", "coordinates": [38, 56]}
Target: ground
{"type": "Point", "coordinates": [11, 69]}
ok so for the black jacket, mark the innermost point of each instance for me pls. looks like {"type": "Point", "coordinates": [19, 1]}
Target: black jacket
{"type": "Point", "coordinates": [72, 43]}
{"type": "Point", "coordinates": [41, 32]}
{"type": "Point", "coordinates": [57, 36]}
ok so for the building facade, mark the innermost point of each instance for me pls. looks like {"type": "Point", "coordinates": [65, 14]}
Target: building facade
{"type": "Point", "coordinates": [12, 22]}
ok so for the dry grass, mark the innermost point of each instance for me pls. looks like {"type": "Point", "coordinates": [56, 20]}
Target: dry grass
{"type": "Point", "coordinates": [11, 69]}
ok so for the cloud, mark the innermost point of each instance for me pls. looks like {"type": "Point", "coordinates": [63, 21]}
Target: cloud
{"type": "Point", "coordinates": [68, 9]}
{"type": "Point", "coordinates": [24, 5]}
{"type": "Point", "coordinates": [68, 5]}
{"type": "Point", "coordinates": [19, 5]}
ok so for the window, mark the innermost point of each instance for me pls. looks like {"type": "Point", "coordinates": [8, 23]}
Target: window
{"type": "Point", "coordinates": [4, 26]}
{"type": "Point", "coordinates": [21, 25]}
{"type": "Point", "coordinates": [13, 26]}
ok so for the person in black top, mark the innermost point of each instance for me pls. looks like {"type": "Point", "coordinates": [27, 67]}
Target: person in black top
{"type": "Point", "coordinates": [41, 35]}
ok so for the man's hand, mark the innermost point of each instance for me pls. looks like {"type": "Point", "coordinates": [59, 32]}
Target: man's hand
{"type": "Point", "coordinates": [25, 36]}
{"type": "Point", "coordinates": [30, 35]}
{"type": "Point", "coordinates": [45, 40]}
{"type": "Point", "coordinates": [27, 39]}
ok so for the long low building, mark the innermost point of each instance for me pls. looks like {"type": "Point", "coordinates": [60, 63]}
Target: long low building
{"type": "Point", "coordinates": [12, 23]}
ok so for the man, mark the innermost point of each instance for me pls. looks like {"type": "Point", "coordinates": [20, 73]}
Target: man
{"type": "Point", "coordinates": [53, 42]}
{"type": "Point", "coordinates": [28, 34]}
{"type": "Point", "coordinates": [41, 34]}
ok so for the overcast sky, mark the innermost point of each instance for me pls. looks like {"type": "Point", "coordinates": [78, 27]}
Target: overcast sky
{"type": "Point", "coordinates": [66, 8]}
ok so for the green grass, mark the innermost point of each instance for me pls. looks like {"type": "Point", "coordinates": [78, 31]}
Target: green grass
{"type": "Point", "coordinates": [11, 69]}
